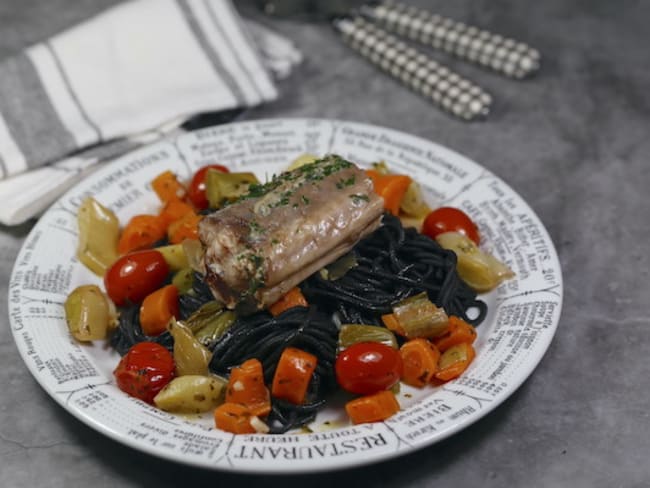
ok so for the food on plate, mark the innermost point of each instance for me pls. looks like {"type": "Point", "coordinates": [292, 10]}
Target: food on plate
{"type": "Point", "coordinates": [259, 248]}
{"type": "Point", "coordinates": [258, 302]}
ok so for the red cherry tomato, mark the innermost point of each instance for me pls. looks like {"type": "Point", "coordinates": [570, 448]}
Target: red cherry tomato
{"type": "Point", "coordinates": [450, 219]}
{"type": "Point", "coordinates": [135, 275]}
{"type": "Point", "coordinates": [196, 191]}
{"type": "Point", "coordinates": [145, 370]}
{"type": "Point", "coordinates": [368, 367]}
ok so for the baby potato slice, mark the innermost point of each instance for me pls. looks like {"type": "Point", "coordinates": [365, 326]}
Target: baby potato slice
{"type": "Point", "coordinates": [191, 394]}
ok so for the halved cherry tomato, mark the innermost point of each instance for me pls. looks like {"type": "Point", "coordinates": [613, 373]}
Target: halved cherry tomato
{"type": "Point", "coordinates": [196, 191]}
{"type": "Point", "coordinates": [145, 370]}
{"type": "Point", "coordinates": [450, 219]}
{"type": "Point", "coordinates": [134, 276]}
{"type": "Point", "coordinates": [368, 367]}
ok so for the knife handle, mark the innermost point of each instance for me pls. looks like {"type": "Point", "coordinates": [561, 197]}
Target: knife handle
{"type": "Point", "coordinates": [505, 56]}
{"type": "Point", "coordinates": [435, 82]}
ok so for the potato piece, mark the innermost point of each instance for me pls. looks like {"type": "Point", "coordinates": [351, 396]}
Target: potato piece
{"type": "Point", "coordinates": [192, 394]}
{"type": "Point", "coordinates": [191, 357]}
{"type": "Point", "coordinates": [89, 313]}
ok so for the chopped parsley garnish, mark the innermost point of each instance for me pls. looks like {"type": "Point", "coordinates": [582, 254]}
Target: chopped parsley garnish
{"type": "Point", "coordinates": [304, 199]}
{"type": "Point", "coordinates": [342, 183]}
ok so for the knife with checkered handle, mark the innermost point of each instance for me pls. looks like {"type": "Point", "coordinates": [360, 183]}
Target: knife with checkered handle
{"type": "Point", "coordinates": [422, 74]}
{"type": "Point", "coordinates": [505, 56]}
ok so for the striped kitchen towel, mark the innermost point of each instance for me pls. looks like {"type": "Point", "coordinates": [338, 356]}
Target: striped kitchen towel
{"type": "Point", "coordinates": [126, 77]}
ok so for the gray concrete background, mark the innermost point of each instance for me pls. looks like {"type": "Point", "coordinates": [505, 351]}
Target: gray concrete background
{"type": "Point", "coordinates": [574, 142]}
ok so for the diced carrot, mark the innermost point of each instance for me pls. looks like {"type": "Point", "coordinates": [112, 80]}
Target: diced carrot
{"type": "Point", "coordinates": [246, 386]}
{"type": "Point", "coordinates": [392, 189]}
{"type": "Point", "coordinates": [186, 227]}
{"type": "Point", "coordinates": [391, 323]}
{"type": "Point", "coordinates": [167, 187]}
{"type": "Point", "coordinates": [420, 361]}
{"type": "Point", "coordinates": [454, 361]}
{"type": "Point", "coordinates": [372, 408]}
{"type": "Point", "coordinates": [293, 374]}
{"type": "Point", "coordinates": [175, 210]}
{"type": "Point", "coordinates": [234, 418]}
{"type": "Point", "coordinates": [142, 232]}
{"type": "Point", "coordinates": [157, 309]}
{"type": "Point", "coordinates": [293, 298]}
{"type": "Point", "coordinates": [459, 332]}
{"type": "Point", "coordinates": [374, 175]}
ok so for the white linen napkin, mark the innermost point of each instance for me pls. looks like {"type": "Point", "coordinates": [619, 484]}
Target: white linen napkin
{"type": "Point", "coordinates": [128, 76]}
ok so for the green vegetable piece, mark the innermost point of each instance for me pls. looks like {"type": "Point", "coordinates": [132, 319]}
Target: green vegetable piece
{"type": "Point", "coordinates": [204, 315]}
{"type": "Point", "coordinates": [174, 255]}
{"type": "Point", "coordinates": [183, 281]}
{"type": "Point", "coordinates": [216, 328]}
{"type": "Point", "coordinates": [419, 317]}
{"type": "Point", "coordinates": [338, 268]}
{"type": "Point", "coordinates": [353, 333]}
{"type": "Point", "coordinates": [226, 187]}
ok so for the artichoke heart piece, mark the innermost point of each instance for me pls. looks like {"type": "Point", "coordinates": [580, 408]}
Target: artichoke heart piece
{"type": "Point", "coordinates": [99, 231]}
{"type": "Point", "coordinates": [190, 356]}
{"type": "Point", "coordinates": [89, 313]}
{"type": "Point", "coordinates": [480, 270]}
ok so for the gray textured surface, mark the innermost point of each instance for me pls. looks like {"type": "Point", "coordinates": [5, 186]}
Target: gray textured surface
{"type": "Point", "coordinates": [573, 142]}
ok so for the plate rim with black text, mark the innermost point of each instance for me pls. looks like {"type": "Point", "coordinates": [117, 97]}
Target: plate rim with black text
{"type": "Point", "coordinates": [521, 322]}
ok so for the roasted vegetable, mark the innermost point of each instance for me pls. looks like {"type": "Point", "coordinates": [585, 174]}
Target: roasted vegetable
{"type": "Point", "coordinates": [191, 394]}
{"type": "Point", "coordinates": [99, 232]}
{"type": "Point", "coordinates": [372, 408]}
{"type": "Point", "coordinates": [190, 356]}
{"type": "Point", "coordinates": [353, 333]}
{"type": "Point", "coordinates": [175, 257]}
{"type": "Point", "coordinates": [224, 187]}
{"type": "Point", "coordinates": [209, 322]}
{"type": "Point", "coordinates": [89, 313]}
{"type": "Point", "coordinates": [417, 316]}
{"type": "Point", "coordinates": [481, 271]}
{"type": "Point", "coordinates": [183, 280]}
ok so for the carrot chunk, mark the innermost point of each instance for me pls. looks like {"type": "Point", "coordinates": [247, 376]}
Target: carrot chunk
{"type": "Point", "coordinates": [293, 298]}
{"type": "Point", "coordinates": [234, 418]}
{"type": "Point", "coordinates": [458, 333]}
{"type": "Point", "coordinates": [175, 210]}
{"type": "Point", "coordinates": [293, 374]}
{"type": "Point", "coordinates": [167, 187]}
{"type": "Point", "coordinates": [420, 362]}
{"type": "Point", "coordinates": [246, 387]}
{"type": "Point", "coordinates": [454, 361]}
{"type": "Point", "coordinates": [142, 232]}
{"type": "Point", "coordinates": [372, 408]}
{"type": "Point", "coordinates": [157, 309]}
{"type": "Point", "coordinates": [186, 227]}
{"type": "Point", "coordinates": [392, 189]}
{"type": "Point", "coordinates": [392, 324]}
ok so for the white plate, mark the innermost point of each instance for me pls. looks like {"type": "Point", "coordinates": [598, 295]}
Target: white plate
{"type": "Point", "coordinates": [523, 312]}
